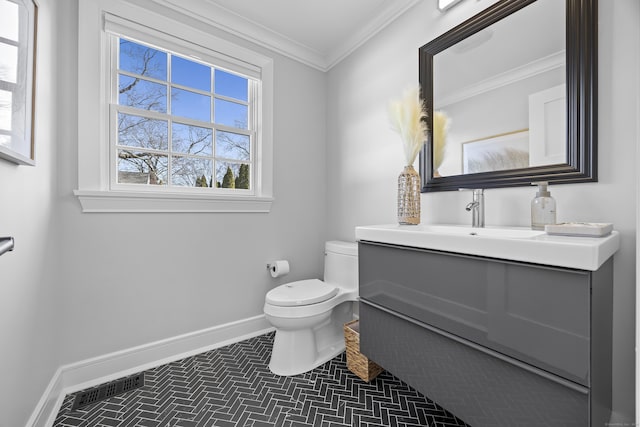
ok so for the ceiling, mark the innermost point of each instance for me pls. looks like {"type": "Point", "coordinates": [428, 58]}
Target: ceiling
{"type": "Point", "coordinates": [319, 33]}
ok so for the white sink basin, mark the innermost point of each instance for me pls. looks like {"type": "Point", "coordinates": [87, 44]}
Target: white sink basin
{"type": "Point", "coordinates": [510, 243]}
{"type": "Point", "coordinates": [506, 233]}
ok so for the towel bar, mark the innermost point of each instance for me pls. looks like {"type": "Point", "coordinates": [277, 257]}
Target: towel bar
{"type": "Point", "coordinates": [6, 244]}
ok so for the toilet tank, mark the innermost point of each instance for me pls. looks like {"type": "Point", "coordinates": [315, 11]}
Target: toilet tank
{"type": "Point", "coordinates": [341, 264]}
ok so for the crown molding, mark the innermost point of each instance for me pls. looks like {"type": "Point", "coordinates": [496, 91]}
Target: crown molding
{"type": "Point", "coordinates": [224, 19]}
{"type": "Point", "coordinates": [393, 10]}
{"type": "Point", "coordinates": [526, 71]}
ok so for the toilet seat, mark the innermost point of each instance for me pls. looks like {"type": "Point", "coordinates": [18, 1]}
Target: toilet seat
{"type": "Point", "coordinates": [302, 292]}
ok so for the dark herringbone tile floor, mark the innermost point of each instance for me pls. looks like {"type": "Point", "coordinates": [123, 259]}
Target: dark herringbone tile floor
{"type": "Point", "coordinates": [232, 386]}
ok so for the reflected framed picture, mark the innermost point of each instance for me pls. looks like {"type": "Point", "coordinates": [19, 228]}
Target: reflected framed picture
{"type": "Point", "coordinates": [18, 26]}
{"type": "Point", "coordinates": [497, 152]}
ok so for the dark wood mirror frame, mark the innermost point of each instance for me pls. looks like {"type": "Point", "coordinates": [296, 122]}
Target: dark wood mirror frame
{"type": "Point", "coordinates": [582, 105]}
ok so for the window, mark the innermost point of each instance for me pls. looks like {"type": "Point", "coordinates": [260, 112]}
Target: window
{"type": "Point", "coordinates": [181, 127]}
{"type": "Point", "coordinates": [179, 123]}
{"type": "Point", "coordinates": [17, 61]}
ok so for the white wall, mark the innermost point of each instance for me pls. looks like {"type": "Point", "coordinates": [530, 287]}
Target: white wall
{"type": "Point", "coordinates": [84, 285]}
{"type": "Point", "coordinates": [28, 313]}
{"type": "Point", "coordinates": [364, 156]}
{"type": "Point", "coordinates": [130, 279]}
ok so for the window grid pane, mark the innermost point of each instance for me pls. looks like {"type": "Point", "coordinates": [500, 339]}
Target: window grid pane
{"type": "Point", "coordinates": [179, 149]}
{"type": "Point", "coordinates": [139, 167]}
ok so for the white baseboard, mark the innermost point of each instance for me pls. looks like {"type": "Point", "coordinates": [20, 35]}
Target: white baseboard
{"type": "Point", "coordinates": [98, 370]}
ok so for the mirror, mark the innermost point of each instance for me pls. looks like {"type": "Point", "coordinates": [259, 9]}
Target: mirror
{"type": "Point", "coordinates": [511, 97]}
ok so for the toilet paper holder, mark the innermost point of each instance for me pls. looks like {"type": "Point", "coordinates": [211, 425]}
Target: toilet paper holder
{"type": "Point", "coordinates": [278, 268]}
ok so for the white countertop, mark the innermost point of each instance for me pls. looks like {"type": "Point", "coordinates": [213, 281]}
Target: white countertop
{"type": "Point", "coordinates": [509, 243]}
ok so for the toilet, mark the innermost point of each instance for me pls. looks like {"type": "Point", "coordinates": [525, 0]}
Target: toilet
{"type": "Point", "coordinates": [308, 315]}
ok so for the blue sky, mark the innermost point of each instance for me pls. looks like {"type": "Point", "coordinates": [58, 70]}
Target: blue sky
{"type": "Point", "coordinates": [192, 74]}
{"type": "Point", "coordinates": [184, 101]}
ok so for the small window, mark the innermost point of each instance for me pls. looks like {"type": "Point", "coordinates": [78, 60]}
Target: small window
{"type": "Point", "coordinates": [18, 21]}
{"type": "Point", "coordinates": [180, 123]}
{"type": "Point", "coordinates": [170, 117]}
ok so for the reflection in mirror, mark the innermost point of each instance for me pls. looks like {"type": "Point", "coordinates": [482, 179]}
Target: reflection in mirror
{"type": "Point", "coordinates": [500, 94]}
{"type": "Point", "coordinates": [511, 97]}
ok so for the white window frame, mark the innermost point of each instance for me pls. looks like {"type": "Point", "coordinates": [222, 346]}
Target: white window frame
{"type": "Point", "coordinates": [115, 108]}
{"type": "Point", "coordinates": [97, 190]}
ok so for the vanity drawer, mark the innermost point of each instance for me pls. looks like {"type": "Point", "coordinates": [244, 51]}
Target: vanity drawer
{"type": "Point", "coordinates": [481, 388]}
{"type": "Point", "coordinates": [538, 315]}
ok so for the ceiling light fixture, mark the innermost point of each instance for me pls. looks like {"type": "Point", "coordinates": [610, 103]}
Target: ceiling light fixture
{"type": "Point", "coordinates": [447, 4]}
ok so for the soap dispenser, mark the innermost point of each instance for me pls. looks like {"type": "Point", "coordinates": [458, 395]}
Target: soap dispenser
{"type": "Point", "coordinates": [543, 207]}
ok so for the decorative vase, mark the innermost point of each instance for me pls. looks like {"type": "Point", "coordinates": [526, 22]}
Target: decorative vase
{"type": "Point", "coordinates": [409, 196]}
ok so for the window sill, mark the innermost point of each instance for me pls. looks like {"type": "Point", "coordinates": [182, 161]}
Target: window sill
{"type": "Point", "coordinates": [126, 201]}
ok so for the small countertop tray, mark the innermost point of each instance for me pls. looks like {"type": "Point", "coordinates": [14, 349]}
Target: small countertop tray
{"type": "Point", "coordinates": [585, 229]}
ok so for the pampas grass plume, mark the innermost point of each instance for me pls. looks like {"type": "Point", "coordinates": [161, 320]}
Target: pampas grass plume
{"type": "Point", "coordinates": [440, 128]}
{"type": "Point", "coordinates": [407, 118]}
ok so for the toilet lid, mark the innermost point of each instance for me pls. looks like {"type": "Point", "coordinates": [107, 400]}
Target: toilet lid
{"type": "Point", "coordinates": [303, 292]}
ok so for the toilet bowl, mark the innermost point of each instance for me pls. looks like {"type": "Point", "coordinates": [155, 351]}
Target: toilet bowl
{"type": "Point", "coordinates": [308, 315]}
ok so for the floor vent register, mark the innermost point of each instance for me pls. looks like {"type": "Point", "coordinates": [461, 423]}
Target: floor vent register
{"type": "Point", "coordinates": [105, 391]}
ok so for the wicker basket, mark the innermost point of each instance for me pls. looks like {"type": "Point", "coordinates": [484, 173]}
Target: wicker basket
{"type": "Point", "coordinates": [357, 362]}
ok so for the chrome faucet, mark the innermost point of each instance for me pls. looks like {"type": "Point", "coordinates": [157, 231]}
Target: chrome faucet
{"type": "Point", "coordinates": [476, 207]}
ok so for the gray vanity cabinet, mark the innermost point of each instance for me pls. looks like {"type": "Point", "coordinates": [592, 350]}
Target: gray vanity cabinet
{"type": "Point", "coordinates": [497, 343]}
